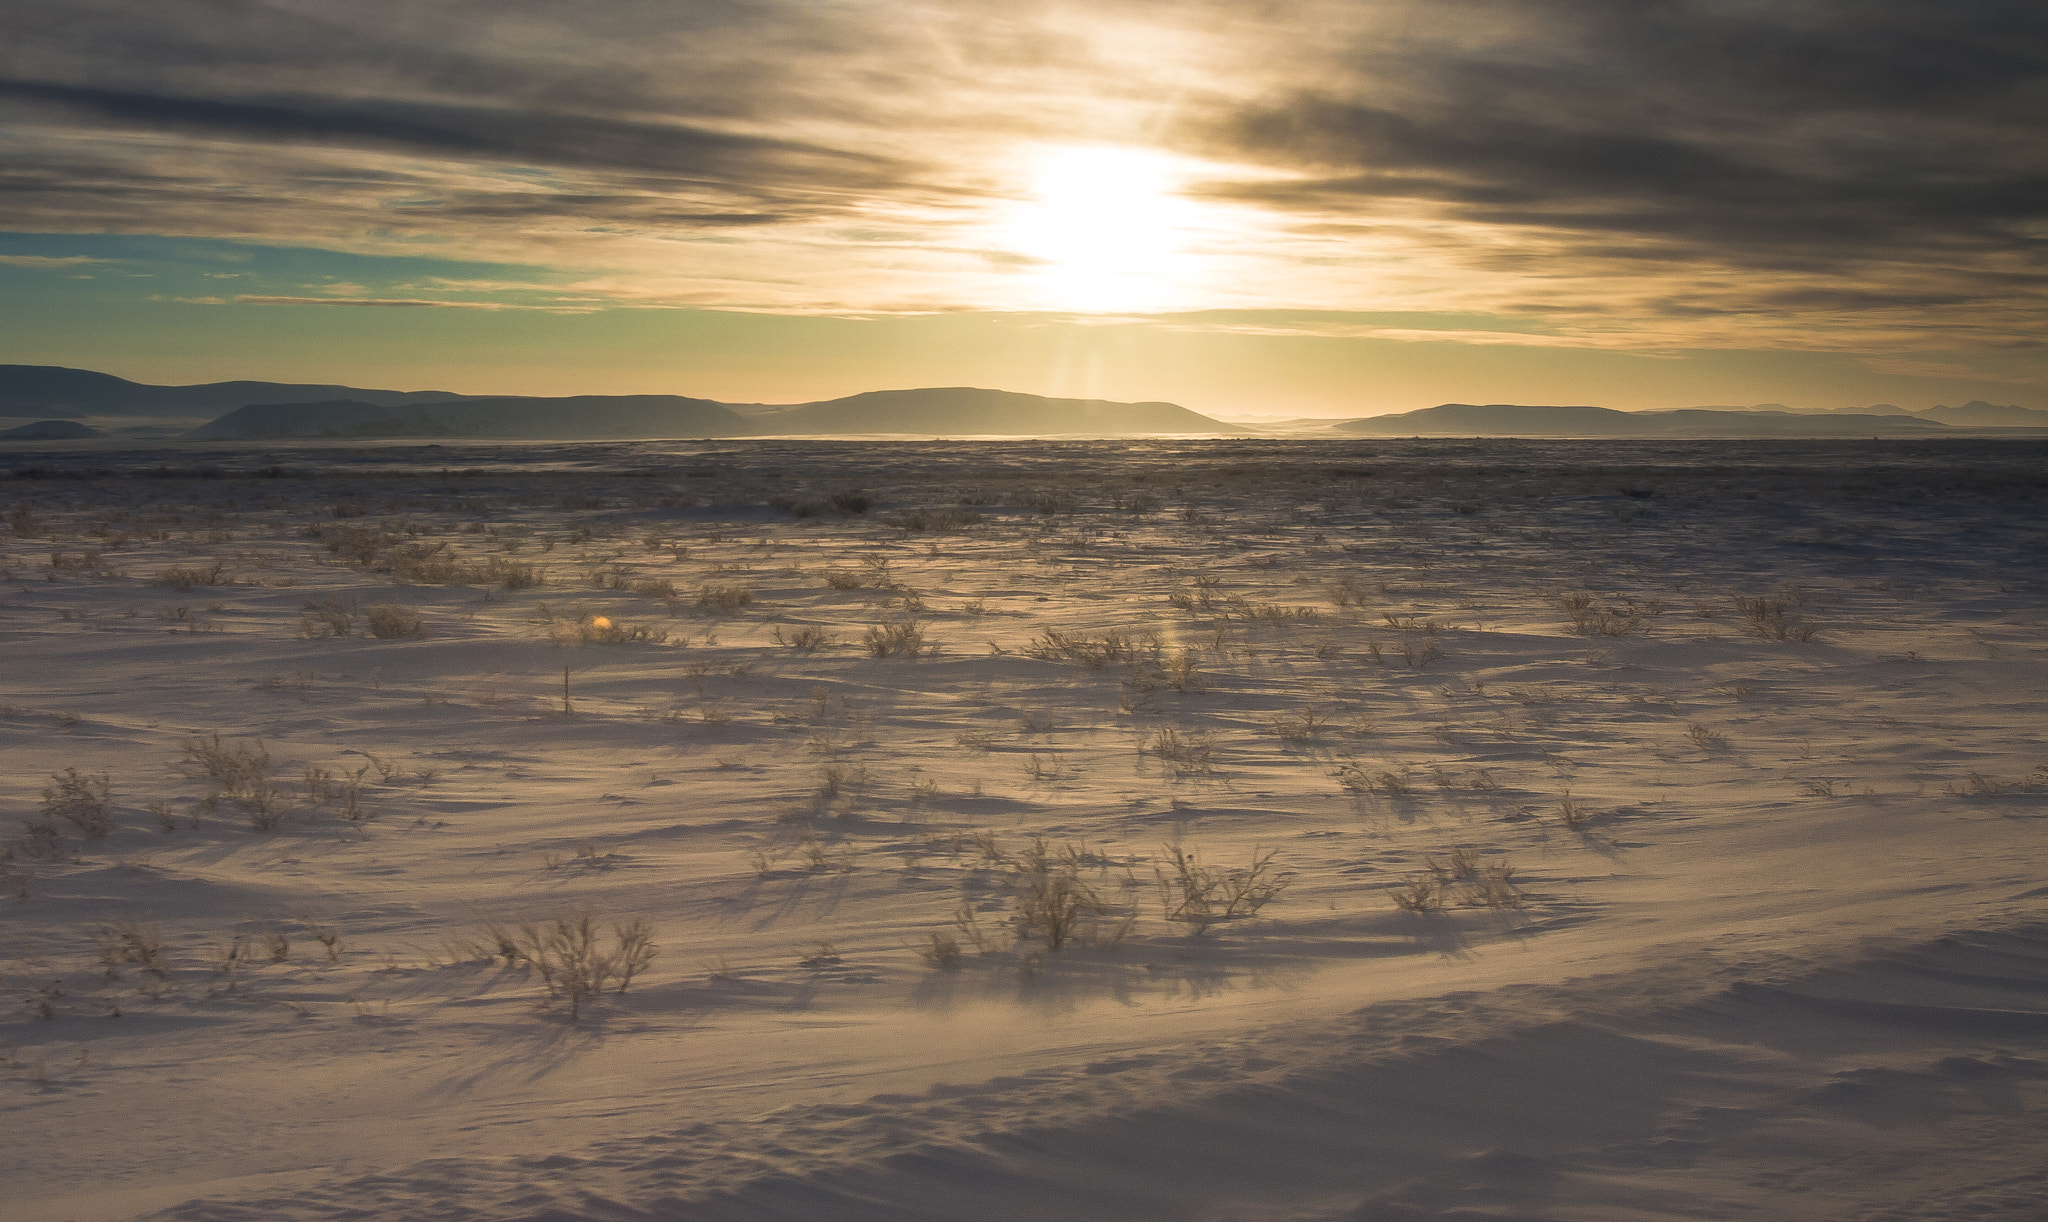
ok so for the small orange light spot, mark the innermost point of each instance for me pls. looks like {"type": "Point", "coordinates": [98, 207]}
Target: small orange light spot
{"type": "Point", "coordinates": [599, 621]}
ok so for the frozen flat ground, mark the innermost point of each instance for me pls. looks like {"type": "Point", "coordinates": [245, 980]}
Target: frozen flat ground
{"type": "Point", "coordinates": [1712, 777]}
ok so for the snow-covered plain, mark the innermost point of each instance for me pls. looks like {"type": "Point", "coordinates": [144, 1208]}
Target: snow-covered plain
{"type": "Point", "coordinates": [1713, 924]}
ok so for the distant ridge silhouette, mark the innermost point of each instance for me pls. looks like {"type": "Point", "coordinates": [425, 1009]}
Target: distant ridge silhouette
{"type": "Point", "coordinates": [55, 391]}
{"type": "Point", "coordinates": [251, 410]}
{"type": "Point", "coordinates": [268, 410]}
{"type": "Point", "coordinates": [1525, 420]}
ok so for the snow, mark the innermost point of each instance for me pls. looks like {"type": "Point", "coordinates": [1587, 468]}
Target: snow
{"type": "Point", "coordinates": [1779, 945]}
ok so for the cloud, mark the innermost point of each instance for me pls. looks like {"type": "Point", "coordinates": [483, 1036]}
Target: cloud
{"type": "Point", "coordinates": [382, 302]}
{"type": "Point", "coordinates": [1845, 142]}
{"type": "Point", "coordinates": [1832, 173]}
{"type": "Point", "coordinates": [46, 260]}
{"type": "Point", "coordinates": [750, 166]}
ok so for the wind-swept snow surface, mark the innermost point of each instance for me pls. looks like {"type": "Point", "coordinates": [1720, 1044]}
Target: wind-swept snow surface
{"type": "Point", "coordinates": [1157, 830]}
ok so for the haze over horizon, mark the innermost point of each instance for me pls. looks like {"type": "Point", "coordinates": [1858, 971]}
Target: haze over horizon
{"type": "Point", "coordinates": [1309, 208]}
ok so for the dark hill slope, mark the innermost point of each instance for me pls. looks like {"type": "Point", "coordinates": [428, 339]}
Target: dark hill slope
{"type": "Point", "coordinates": [575, 417]}
{"type": "Point", "coordinates": [1520, 420]}
{"type": "Point", "coordinates": [51, 430]}
{"type": "Point", "coordinates": [970, 411]}
{"type": "Point", "coordinates": [53, 390]}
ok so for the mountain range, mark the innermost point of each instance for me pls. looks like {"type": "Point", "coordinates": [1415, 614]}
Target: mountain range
{"type": "Point", "coordinates": [1524, 420]}
{"type": "Point", "coordinates": [578, 416]}
{"type": "Point", "coordinates": [1975, 414]}
{"type": "Point", "coordinates": [67, 394]}
{"type": "Point", "coordinates": [56, 398]}
{"type": "Point", "coordinates": [274, 410]}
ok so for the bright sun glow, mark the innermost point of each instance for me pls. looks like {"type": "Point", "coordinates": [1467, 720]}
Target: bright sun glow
{"type": "Point", "coordinates": [1106, 227]}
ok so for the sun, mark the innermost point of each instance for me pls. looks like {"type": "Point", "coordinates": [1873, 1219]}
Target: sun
{"type": "Point", "coordinates": [1104, 228]}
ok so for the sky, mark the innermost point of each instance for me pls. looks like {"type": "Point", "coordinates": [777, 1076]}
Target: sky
{"type": "Point", "coordinates": [1294, 207]}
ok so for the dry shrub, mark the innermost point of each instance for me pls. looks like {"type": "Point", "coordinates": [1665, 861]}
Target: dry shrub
{"type": "Point", "coordinates": [1199, 895]}
{"type": "Point", "coordinates": [1304, 726]}
{"type": "Point", "coordinates": [1051, 903]}
{"type": "Point", "coordinates": [25, 522]}
{"type": "Point", "coordinates": [1461, 865]}
{"type": "Point", "coordinates": [265, 804]}
{"type": "Point", "coordinates": [584, 628]}
{"type": "Point", "coordinates": [818, 858]}
{"type": "Point", "coordinates": [1494, 887]}
{"type": "Point", "coordinates": [1573, 813]}
{"type": "Point", "coordinates": [128, 944]}
{"type": "Point", "coordinates": [807, 639]}
{"type": "Point", "coordinates": [1384, 782]}
{"type": "Point", "coordinates": [1042, 769]}
{"type": "Point", "coordinates": [389, 621]}
{"type": "Point", "coordinates": [233, 767]}
{"type": "Point", "coordinates": [1418, 895]}
{"type": "Point", "coordinates": [86, 564]}
{"type": "Point", "coordinates": [1705, 737]}
{"type": "Point", "coordinates": [569, 955]}
{"type": "Point", "coordinates": [1188, 753]}
{"type": "Point", "coordinates": [513, 575]}
{"type": "Point", "coordinates": [180, 578]}
{"type": "Point", "coordinates": [943, 953]}
{"type": "Point", "coordinates": [939, 521]}
{"type": "Point", "coordinates": [1771, 619]}
{"type": "Point", "coordinates": [240, 772]}
{"type": "Point", "coordinates": [840, 579]}
{"type": "Point", "coordinates": [1092, 652]}
{"type": "Point", "coordinates": [1592, 617]}
{"type": "Point", "coordinates": [797, 507]}
{"type": "Point", "coordinates": [1481, 885]}
{"type": "Point", "coordinates": [879, 574]}
{"type": "Point", "coordinates": [725, 600]}
{"type": "Point", "coordinates": [904, 638]}
{"type": "Point", "coordinates": [81, 801]}
{"type": "Point", "coordinates": [1978, 785]}
{"type": "Point", "coordinates": [1184, 673]}
{"type": "Point", "coordinates": [344, 789]}
{"type": "Point", "coordinates": [837, 779]}
{"type": "Point", "coordinates": [330, 618]}
{"type": "Point", "coordinates": [433, 565]}
{"type": "Point", "coordinates": [990, 849]}
{"type": "Point", "coordinates": [356, 544]}
{"type": "Point", "coordinates": [601, 631]}
{"type": "Point", "coordinates": [1420, 656]}
{"type": "Point", "coordinates": [328, 938]}
{"type": "Point", "coordinates": [1410, 623]}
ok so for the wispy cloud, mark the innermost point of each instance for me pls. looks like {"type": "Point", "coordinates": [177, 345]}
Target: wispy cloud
{"type": "Point", "coordinates": [50, 261]}
{"type": "Point", "coordinates": [385, 303]}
